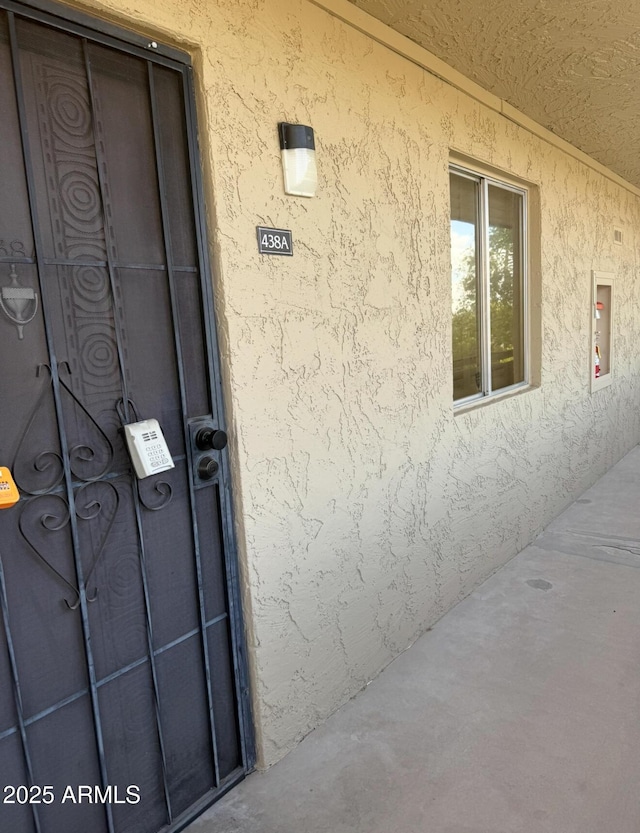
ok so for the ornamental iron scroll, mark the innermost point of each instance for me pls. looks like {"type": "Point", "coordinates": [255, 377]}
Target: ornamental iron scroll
{"type": "Point", "coordinates": [43, 473]}
{"type": "Point", "coordinates": [87, 508]}
{"type": "Point", "coordinates": [160, 487]}
{"type": "Point", "coordinates": [19, 303]}
{"type": "Point", "coordinates": [85, 463]}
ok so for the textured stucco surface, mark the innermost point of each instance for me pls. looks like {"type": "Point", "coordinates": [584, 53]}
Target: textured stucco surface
{"type": "Point", "coordinates": [573, 66]}
{"type": "Point", "coordinates": [365, 508]}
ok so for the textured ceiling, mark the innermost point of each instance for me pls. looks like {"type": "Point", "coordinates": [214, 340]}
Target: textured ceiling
{"type": "Point", "coordinates": [572, 65]}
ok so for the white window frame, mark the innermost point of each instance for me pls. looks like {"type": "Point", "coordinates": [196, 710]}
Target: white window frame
{"type": "Point", "coordinates": [484, 180]}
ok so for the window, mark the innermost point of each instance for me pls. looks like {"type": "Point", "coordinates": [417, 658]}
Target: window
{"type": "Point", "coordinates": [489, 285]}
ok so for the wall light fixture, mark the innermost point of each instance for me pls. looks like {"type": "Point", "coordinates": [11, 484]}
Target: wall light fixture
{"type": "Point", "coordinates": [298, 159]}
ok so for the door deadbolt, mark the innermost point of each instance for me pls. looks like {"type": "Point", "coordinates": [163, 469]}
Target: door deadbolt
{"type": "Point", "coordinates": [207, 468]}
{"type": "Point", "coordinates": [211, 439]}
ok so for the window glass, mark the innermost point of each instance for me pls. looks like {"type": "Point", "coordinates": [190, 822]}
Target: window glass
{"type": "Point", "coordinates": [505, 283]}
{"type": "Point", "coordinates": [465, 299]}
{"type": "Point", "coordinates": [487, 285]}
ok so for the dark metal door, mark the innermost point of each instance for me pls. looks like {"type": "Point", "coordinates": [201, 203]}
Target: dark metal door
{"type": "Point", "coordinates": [123, 701]}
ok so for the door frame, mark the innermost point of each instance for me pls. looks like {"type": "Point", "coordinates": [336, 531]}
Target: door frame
{"type": "Point", "coordinates": [49, 12]}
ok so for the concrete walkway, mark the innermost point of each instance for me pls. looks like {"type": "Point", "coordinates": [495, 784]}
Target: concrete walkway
{"type": "Point", "coordinates": [518, 713]}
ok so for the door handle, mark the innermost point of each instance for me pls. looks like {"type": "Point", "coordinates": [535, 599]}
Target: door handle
{"type": "Point", "coordinates": [211, 439]}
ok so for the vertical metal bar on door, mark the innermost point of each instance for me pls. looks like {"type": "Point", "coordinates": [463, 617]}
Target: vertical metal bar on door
{"type": "Point", "coordinates": [247, 743]}
{"type": "Point", "coordinates": [17, 694]}
{"type": "Point", "coordinates": [31, 190]}
{"type": "Point", "coordinates": [184, 412]}
{"type": "Point", "coordinates": [111, 267]}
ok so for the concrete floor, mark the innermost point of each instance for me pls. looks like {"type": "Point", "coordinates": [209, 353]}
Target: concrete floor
{"type": "Point", "coordinates": [518, 713]}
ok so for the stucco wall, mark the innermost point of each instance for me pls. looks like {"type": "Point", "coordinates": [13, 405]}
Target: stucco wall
{"type": "Point", "coordinates": [365, 507]}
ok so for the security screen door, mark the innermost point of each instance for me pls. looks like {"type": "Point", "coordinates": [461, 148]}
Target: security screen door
{"type": "Point", "coordinates": [122, 682]}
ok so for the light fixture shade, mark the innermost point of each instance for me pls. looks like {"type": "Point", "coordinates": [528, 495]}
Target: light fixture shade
{"type": "Point", "coordinates": [298, 150]}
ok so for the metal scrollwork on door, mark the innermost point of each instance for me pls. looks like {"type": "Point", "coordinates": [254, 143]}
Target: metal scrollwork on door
{"type": "Point", "coordinates": [40, 475]}
{"type": "Point", "coordinates": [57, 517]}
{"type": "Point", "coordinates": [87, 463]}
{"type": "Point", "coordinates": [160, 487]}
{"type": "Point", "coordinates": [43, 473]}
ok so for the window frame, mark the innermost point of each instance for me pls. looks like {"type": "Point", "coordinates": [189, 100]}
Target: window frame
{"type": "Point", "coordinates": [484, 179]}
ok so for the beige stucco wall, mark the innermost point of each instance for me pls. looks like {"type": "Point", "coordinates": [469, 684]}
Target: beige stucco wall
{"type": "Point", "coordinates": [365, 508]}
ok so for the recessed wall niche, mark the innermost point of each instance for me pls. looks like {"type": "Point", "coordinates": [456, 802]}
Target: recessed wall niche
{"type": "Point", "coordinates": [601, 362]}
